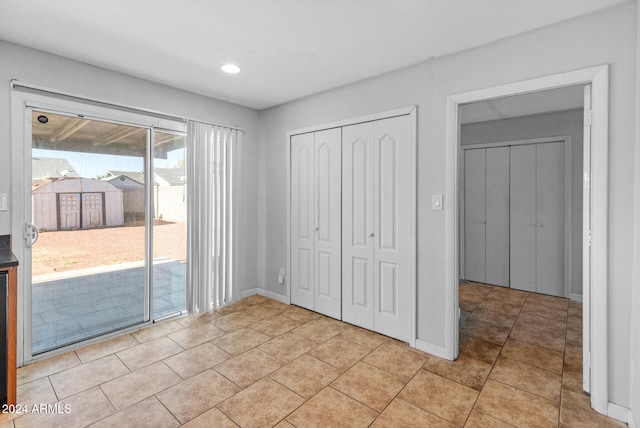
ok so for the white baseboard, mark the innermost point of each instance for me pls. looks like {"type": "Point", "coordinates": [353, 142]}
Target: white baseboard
{"type": "Point", "coordinates": [438, 351]}
{"type": "Point", "coordinates": [618, 412]}
{"type": "Point", "coordinates": [265, 293]}
{"type": "Point", "coordinates": [632, 423]}
{"type": "Point", "coordinates": [249, 292]}
{"type": "Point", "coordinates": [576, 297]}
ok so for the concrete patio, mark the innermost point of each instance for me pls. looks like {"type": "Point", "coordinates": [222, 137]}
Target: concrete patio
{"type": "Point", "coordinates": [76, 305]}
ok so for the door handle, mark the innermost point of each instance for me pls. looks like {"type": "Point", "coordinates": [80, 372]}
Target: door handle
{"type": "Point", "coordinates": [31, 234]}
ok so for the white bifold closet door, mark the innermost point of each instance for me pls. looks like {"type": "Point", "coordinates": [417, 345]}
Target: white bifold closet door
{"type": "Point", "coordinates": [537, 218]}
{"type": "Point", "coordinates": [316, 221]}
{"type": "Point", "coordinates": [376, 222]}
{"type": "Point", "coordinates": [486, 215]}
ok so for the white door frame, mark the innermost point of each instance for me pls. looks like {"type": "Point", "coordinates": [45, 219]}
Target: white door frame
{"type": "Point", "coordinates": [595, 321]}
{"type": "Point", "coordinates": [412, 113]}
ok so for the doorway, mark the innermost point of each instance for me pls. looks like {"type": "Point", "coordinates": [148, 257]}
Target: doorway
{"type": "Point", "coordinates": [594, 281]}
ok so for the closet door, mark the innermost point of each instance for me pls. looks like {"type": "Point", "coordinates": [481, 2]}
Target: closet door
{"type": "Point", "coordinates": [550, 209]}
{"type": "Point", "coordinates": [328, 224]}
{"type": "Point", "coordinates": [378, 161]}
{"type": "Point", "coordinates": [523, 225]}
{"type": "Point", "coordinates": [474, 214]}
{"type": "Point", "coordinates": [537, 218]}
{"type": "Point", "coordinates": [357, 224]}
{"type": "Point", "coordinates": [486, 215]}
{"type": "Point", "coordinates": [302, 220]}
{"type": "Point", "coordinates": [497, 217]}
{"type": "Point", "coordinates": [393, 202]}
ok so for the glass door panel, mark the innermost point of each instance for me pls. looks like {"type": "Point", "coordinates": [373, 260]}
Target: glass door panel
{"type": "Point", "coordinates": [88, 201]}
{"type": "Point", "coordinates": [169, 225]}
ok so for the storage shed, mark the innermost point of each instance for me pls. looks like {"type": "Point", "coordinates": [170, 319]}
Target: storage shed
{"type": "Point", "coordinates": [76, 203]}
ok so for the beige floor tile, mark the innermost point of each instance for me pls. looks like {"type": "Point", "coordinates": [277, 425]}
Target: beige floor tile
{"type": "Point", "coordinates": [538, 335]}
{"type": "Point", "coordinates": [213, 418]}
{"type": "Point", "coordinates": [320, 330]}
{"type": "Point", "coordinates": [147, 413]}
{"type": "Point", "coordinates": [366, 338]}
{"type": "Point", "coordinates": [47, 367]}
{"type": "Point", "coordinates": [299, 314]}
{"type": "Point", "coordinates": [550, 302]}
{"type": "Point", "coordinates": [576, 411]}
{"type": "Point", "coordinates": [306, 375]}
{"type": "Point", "coordinates": [466, 371]}
{"type": "Point", "coordinates": [102, 349]}
{"type": "Point", "coordinates": [263, 404]}
{"type": "Point", "coordinates": [235, 321]}
{"type": "Point", "coordinates": [149, 352]}
{"type": "Point", "coordinates": [399, 360]}
{"type": "Point", "coordinates": [249, 367]}
{"type": "Point", "coordinates": [39, 391]}
{"type": "Point", "coordinates": [288, 347]}
{"type": "Point", "coordinates": [157, 330]}
{"type": "Point", "coordinates": [478, 419]}
{"type": "Point", "coordinates": [196, 335]}
{"type": "Point", "coordinates": [500, 306]}
{"type": "Point", "coordinates": [340, 353]}
{"type": "Point", "coordinates": [85, 376]}
{"type": "Point", "coordinates": [77, 411]}
{"type": "Point", "coordinates": [369, 385]}
{"type": "Point", "coordinates": [196, 395]}
{"type": "Point", "coordinates": [255, 299]}
{"type": "Point", "coordinates": [483, 315]}
{"type": "Point", "coordinates": [265, 310]}
{"type": "Point", "coordinates": [544, 311]}
{"type": "Point", "coordinates": [536, 356]}
{"type": "Point", "coordinates": [240, 341]}
{"type": "Point", "coordinates": [508, 295]}
{"type": "Point", "coordinates": [525, 377]}
{"type": "Point", "coordinates": [134, 387]}
{"type": "Point", "coordinates": [574, 335]}
{"type": "Point", "coordinates": [552, 325]}
{"type": "Point", "coordinates": [403, 414]}
{"type": "Point", "coordinates": [516, 407]}
{"type": "Point", "coordinates": [200, 319]}
{"type": "Point", "coordinates": [442, 397]}
{"type": "Point", "coordinates": [572, 374]}
{"type": "Point", "coordinates": [6, 424]}
{"type": "Point", "coordinates": [282, 424]}
{"type": "Point", "coordinates": [478, 349]}
{"type": "Point", "coordinates": [494, 333]}
{"type": "Point", "coordinates": [331, 408]}
{"type": "Point", "coordinates": [275, 326]}
{"type": "Point", "coordinates": [196, 360]}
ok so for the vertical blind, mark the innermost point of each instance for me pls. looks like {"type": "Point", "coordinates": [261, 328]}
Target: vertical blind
{"type": "Point", "coordinates": [211, 168]}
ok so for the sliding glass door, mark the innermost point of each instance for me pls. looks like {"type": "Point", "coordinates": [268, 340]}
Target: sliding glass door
{"type": "Point", "coordinates": [169, 224]}
{"type": "Point", "coordinates": [104, 208]}
{"type": "Point", "coordinates": [88, 268]}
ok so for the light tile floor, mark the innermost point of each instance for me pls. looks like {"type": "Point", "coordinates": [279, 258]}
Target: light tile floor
{"type": "Point", "coordinates": [262, 363]}
{"type": "Point", "coordinates": [89, 304]}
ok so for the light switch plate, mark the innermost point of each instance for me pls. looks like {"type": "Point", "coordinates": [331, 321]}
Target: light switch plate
{"type": "Point", "coordinates": [437, 202]}
{"type": "Point", "coordinates": [3, 202]}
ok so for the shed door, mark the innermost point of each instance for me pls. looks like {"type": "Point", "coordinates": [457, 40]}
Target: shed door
{"type": "Point", "coordinates": [69, 211]}
{"type": "Point", "coordinates": [91, 210]}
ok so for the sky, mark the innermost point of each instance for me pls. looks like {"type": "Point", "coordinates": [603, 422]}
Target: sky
{"type": "Point", "coordinates": [92, 165]}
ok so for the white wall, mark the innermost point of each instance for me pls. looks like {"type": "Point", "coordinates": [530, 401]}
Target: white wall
{"type": "Point", "coordinates": [62, 74]}
{"type": "Point", "coordinates": [562, 123]}
{"type": "Point", "coordinates": [607, 37]}
{"type": "Point", "coordinates": [635, 298]}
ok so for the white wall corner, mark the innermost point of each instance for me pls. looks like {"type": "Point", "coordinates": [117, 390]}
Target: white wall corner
{"type": "Point", "coordinates": [631, 422]}
{"type": "Point", "coordinates": [430, 348]}
{"type": "Point", "coordinates": [618, 412]}
{"type": "Point", "coordinates": [576, 297]}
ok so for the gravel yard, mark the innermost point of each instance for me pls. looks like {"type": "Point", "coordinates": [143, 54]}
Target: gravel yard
{"type": "Point", "coordinates": [78, 249]}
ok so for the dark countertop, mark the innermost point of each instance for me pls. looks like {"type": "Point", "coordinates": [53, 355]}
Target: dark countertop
{"type": "Point", "coordinates": [7, 259]}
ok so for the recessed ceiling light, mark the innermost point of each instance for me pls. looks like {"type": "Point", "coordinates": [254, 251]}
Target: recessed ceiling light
{"type": "Point", "coordinates": [230, 68]}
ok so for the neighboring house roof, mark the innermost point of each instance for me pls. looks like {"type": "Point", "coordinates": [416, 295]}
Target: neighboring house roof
{"type": "Point", "coordinates": [123, 182]}
{"type": "Point", "coordinates": [163, 176]}
{"type": "Point", "coordinates": [51, 168]}
{"type": "Point", "coordinates": [134, 175]}
{"type": "Point", "coordinates": [170, 176]}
